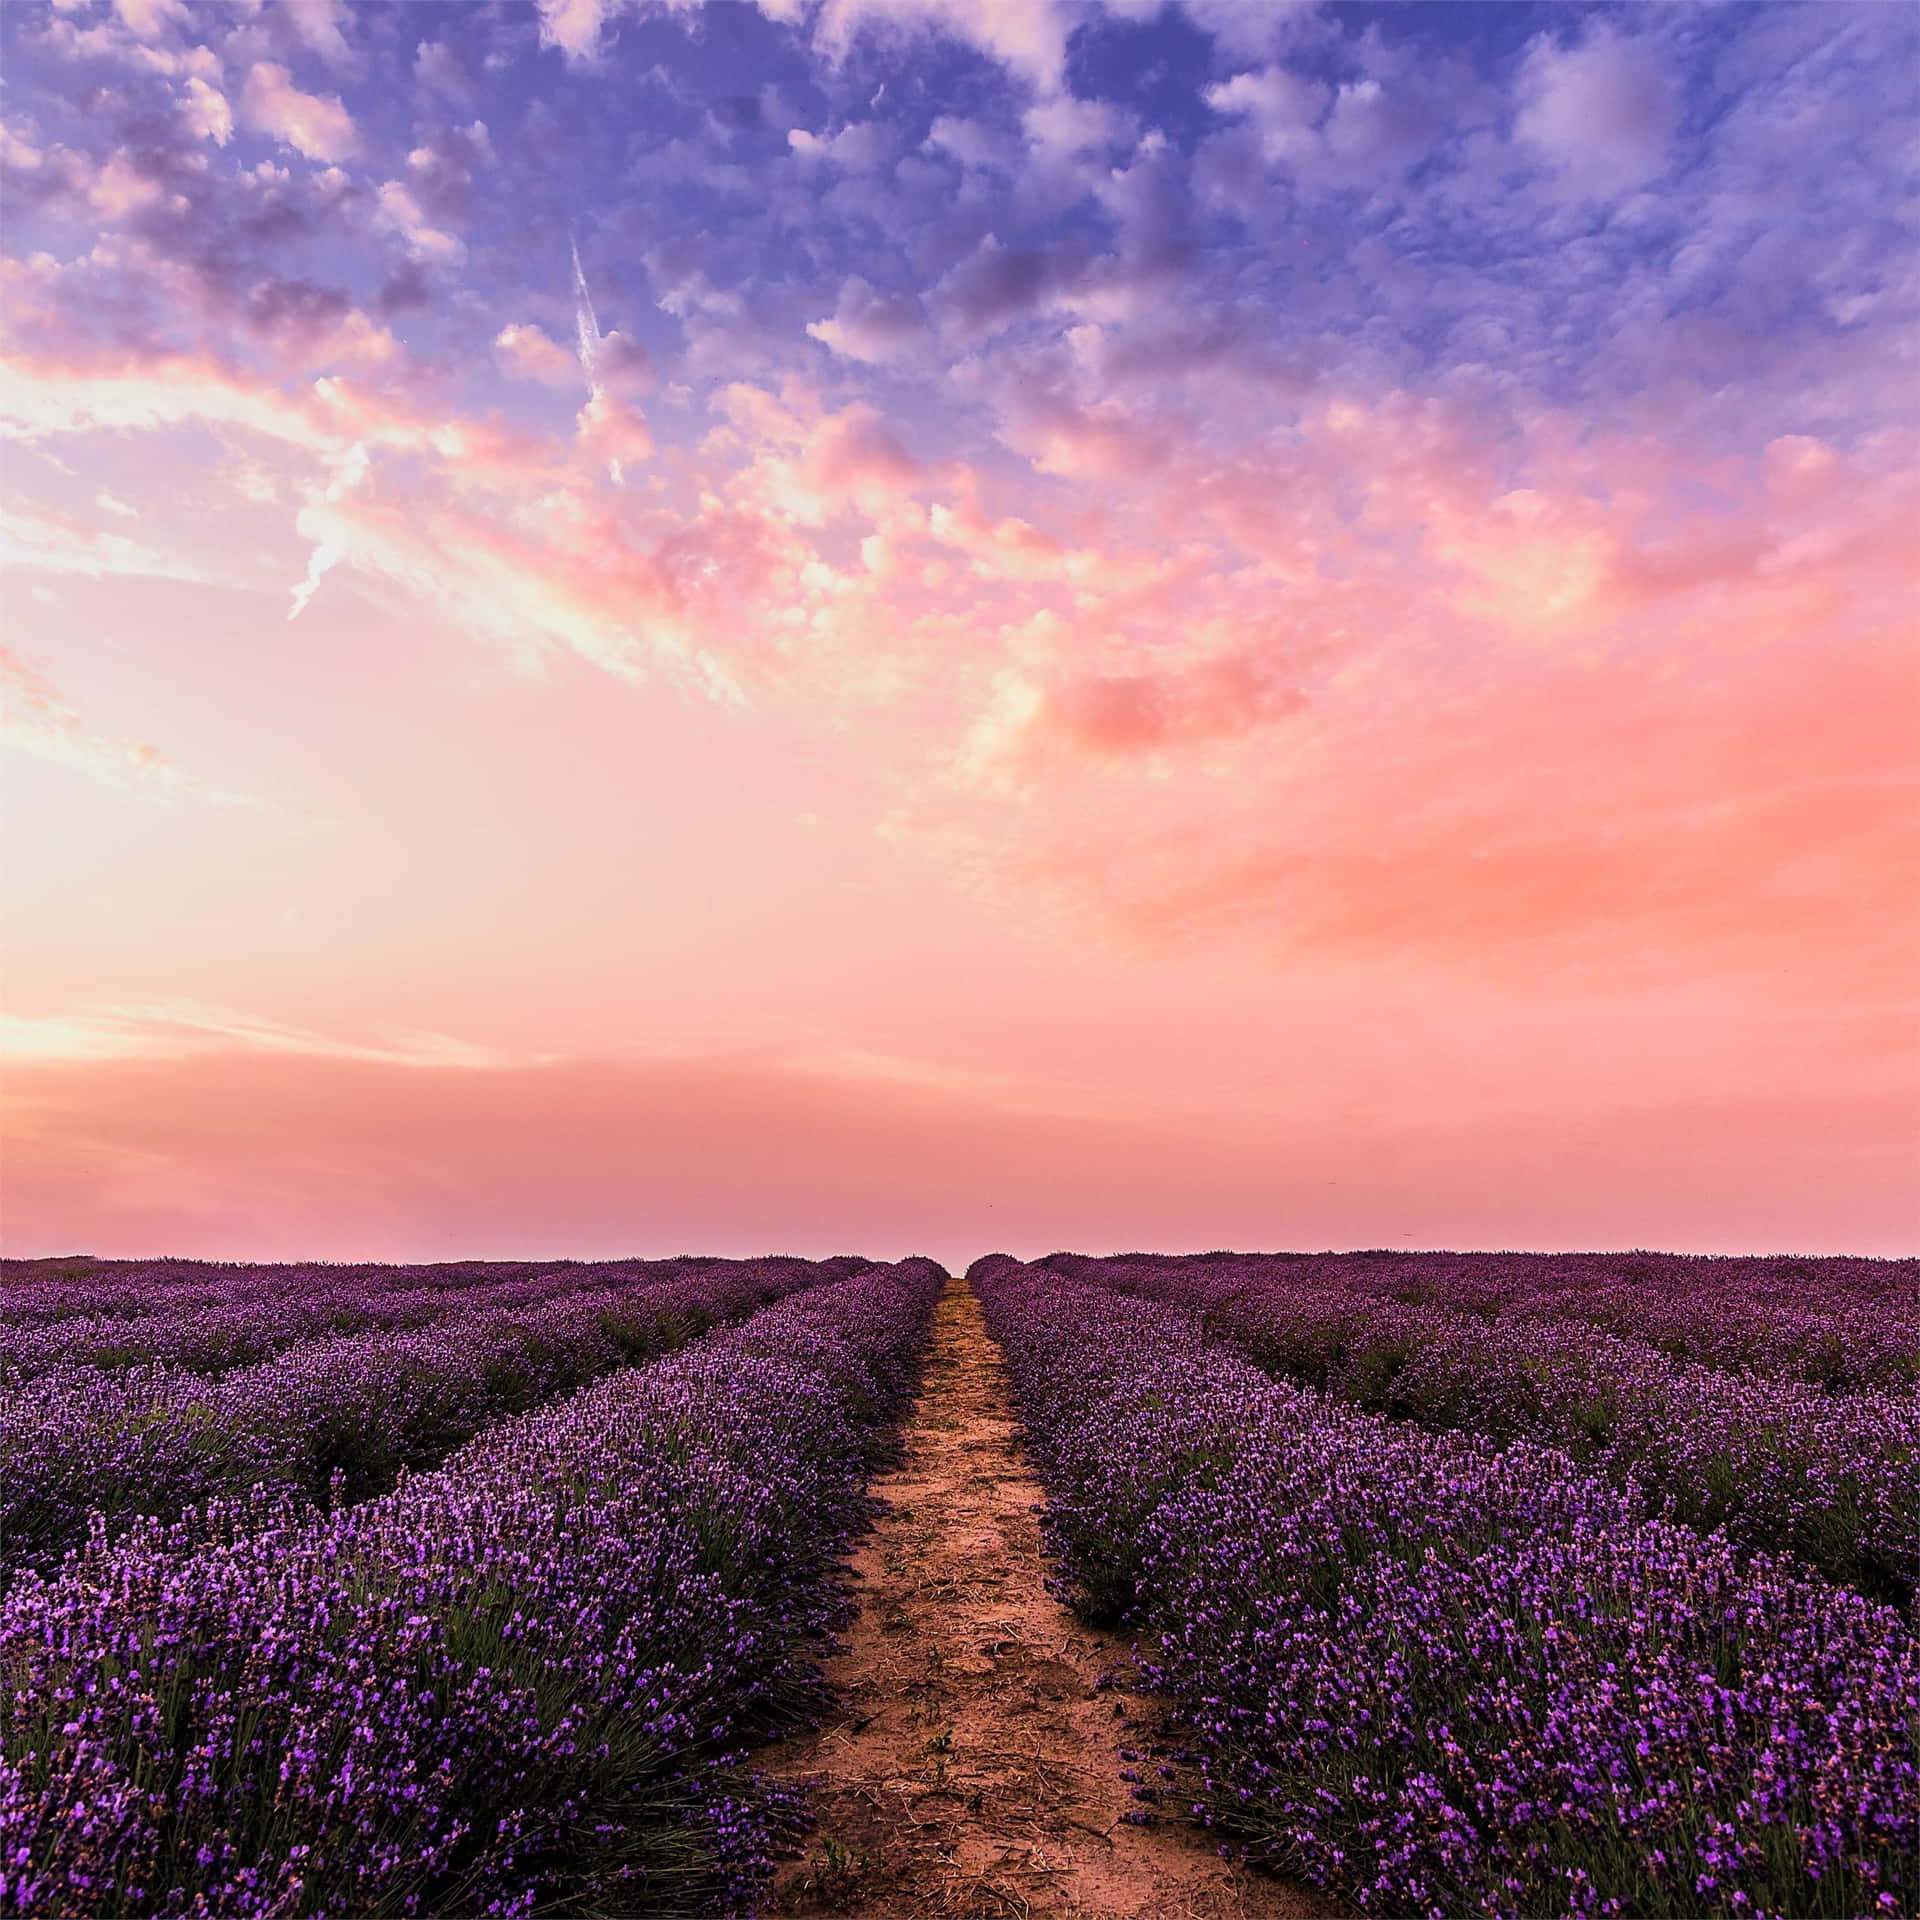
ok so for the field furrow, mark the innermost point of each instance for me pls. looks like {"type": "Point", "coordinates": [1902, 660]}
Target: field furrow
{"type": "Point", "coordinates": [972, 1767]}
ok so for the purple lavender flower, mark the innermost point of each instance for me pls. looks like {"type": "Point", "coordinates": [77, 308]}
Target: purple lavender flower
{"type": "Point", "coordinates": [1442, 1676]}
{"type": "Point", "coordinates": [1512, 1347]}
{"type": "Point", "coordinates": [523, 1679]}
{"type": "Point", "coordinates": [334, 1417]}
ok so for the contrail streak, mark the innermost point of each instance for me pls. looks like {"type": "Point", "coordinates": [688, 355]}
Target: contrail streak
{"type": "Point", "coordinates": [586, 323]}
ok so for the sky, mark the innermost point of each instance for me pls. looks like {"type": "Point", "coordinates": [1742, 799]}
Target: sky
{"type": "Point", "coordinates": [935, 625]}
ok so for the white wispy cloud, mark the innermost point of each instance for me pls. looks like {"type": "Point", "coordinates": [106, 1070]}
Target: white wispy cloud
{"type": "Point", "coordinates": [36, 540]}
{"type": "Point", "coordinates": [172, 1029]}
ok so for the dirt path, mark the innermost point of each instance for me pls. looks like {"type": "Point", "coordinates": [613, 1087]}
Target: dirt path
{"type": "Point", "coordinates": [974, 1772]}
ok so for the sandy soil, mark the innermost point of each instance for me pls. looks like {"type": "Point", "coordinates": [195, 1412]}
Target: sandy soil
{"type": "Point", "coordinates": [974, 1770]}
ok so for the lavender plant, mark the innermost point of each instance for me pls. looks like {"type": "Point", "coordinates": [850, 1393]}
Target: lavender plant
{"type": "Point", "coordinates": [1777, 1463]}
{"type": "Point", "coordinates": [1440, 1677]}
{"type": "Point", "coordinates": [211, 1318]}
{"type": "Point", "coordinates": [518, 1684]}
{"type": "Point", "coordinates": [337, 1419]}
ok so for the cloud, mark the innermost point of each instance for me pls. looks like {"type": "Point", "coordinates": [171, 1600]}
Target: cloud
{"type": "Point", "coordinates": [49, 394]}
{"type": "Point", "coordinates": [37, 540]}
{"type": "Point", "coordinates": [527, 353]}
{"type": "Point", "coordinates": [570, 582]}
{"type": "Point", "coordinates": [974, 144]}
{"type": "Point", "coordinates": [1361, 132]}
{"type": "Point", "coordinates": [1602, 112]}
{"type": "Point", "coordinates": [319, 127]}
{"type": "Point", "coordinates": [206, 111]}
{"type": "Point", "coordinates": [574, 26]}
{"type": "Point", "coordinates": [34, 719]}
{"type": "Point", "coordinates": [1137, 713]}
{"type": "Point", "coordinates": [443, 167]}
{"type": "Point", "coordinates": [320, 25]}
{"type": "Point", "coordinates": [1540, 732]}
{"type": "Point", "coordinates": [803, 466]}
{"type": "Point", "coordinates": [1451, 582]}
{"type": "Point", "coordinates": [440, 68]}
{"type": "Point", "coordinates": [1285, 645]}
{"type": "Point", "coordinates": [1248, 28]}
{"type": "Point", "coordinates": [499, 540]}
{"type": "Point", "coordinates": [252, 1154]}
{"type": "Point", "coordinates": [865, 146]}
{"type": "Point", "coordinates": [613, 433]}
{"type": "Point", "coordinates": [1283, 106]}
{"type": "Point", "coordinates": [310, 327]}
{"type": "Point", "coordinates": [150, 19]}
{"type": "Point", "coordinates": [1027, 37]}
{"type": "Point", "coordinates": [179, 1029]}
{"type": "Point", "coordinates": [997, 285]}
{"type": "Point", "coordinates": [1064, 125]}
{"type": "Point", "coordinates": [611, 429]}
{"type": "Point", "coordinates": [399, 212]}
{"type": "Point", "coordinates": [869, 325]}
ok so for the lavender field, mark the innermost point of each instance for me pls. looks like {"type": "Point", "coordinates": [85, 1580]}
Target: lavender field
{"type": "Point", "coordinates": [1457, 1584]}
{"type": "Point", "coordinates": [1467, 1597]}
{"type": "Point", "coordinates": [517, 1680]}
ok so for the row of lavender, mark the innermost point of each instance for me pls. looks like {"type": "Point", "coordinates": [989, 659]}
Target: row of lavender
{"type": "Point", "coordinates": [1778, 1463]}
{"type": "Point", "coordinates": [211, 1318]}
{"type": "Point", "coordinates": [512, 1686]}
{"type": "Point", "coordinates": [339, 1419]}
{"type": "Point", "coordinates": [80, 1286]}
{"type": "Point", "coordinates": [1841, 1322]}
{"type": "Point", "coordinates": [1439, 1677]}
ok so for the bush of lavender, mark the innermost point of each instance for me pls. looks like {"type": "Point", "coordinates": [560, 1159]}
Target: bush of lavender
{"type": "Point", "coordinates": [1780, 1465]}
{"type": "Point", "coordinates": [336, 1420]}
{"type": "Point", "coordinates": [1440, 1677]}
{"type": "Point", "coordinates": [211, 1318]}
{"type": "Point", "coordinates": [79, 1288]}
{"type": "Point", "coordinates": [1841, 1323]}
{"type": "Point", "coordinates": [514, 1685]}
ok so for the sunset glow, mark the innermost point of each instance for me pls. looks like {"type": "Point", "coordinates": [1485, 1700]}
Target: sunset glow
{"type": "Point", "coordinates": [933, 625]}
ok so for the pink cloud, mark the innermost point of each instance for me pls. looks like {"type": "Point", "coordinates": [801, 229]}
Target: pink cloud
{"type": "Point", "coordinates": [35, 540]}
{"type": "Point", "coordinates": [207, 111]}
{"type": "Point", "coordinates": [150, 19]}
{"type": "Point", "coordinates": [1144, 712]}
{"type": "Point", "coordinates": [869, 325]}
{"type": "Point", "coordinates": [527, 353]}
{"type": "Point", "coordinates": [315, 125]}
{"type": "Point", "coordinates": [34, 719]}
{"type": "Point", "coordinates": [1549, 735]}
{"type": "Point", "coordinates": [253, 1156]}
{"type": "Point", "coordinates": [400, 213]}
{"type": "Point", "coordinates": [1381, 690]}
{"type": "Point", "coordinates": [801, 464]}
{"type": "Point", "coordinates": [574, 26]}
{"type": "Point", "coordinates": [320, 25]}
{"type": "Point", "coordinates": [1028, 37]}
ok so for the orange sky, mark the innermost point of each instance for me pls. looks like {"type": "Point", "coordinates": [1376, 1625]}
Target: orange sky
{"type": "Point", "coordinates": [1322, 658]}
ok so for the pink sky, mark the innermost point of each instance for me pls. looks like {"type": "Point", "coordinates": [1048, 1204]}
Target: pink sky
{"type": "Point", "coordinates": [1312, 650]}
